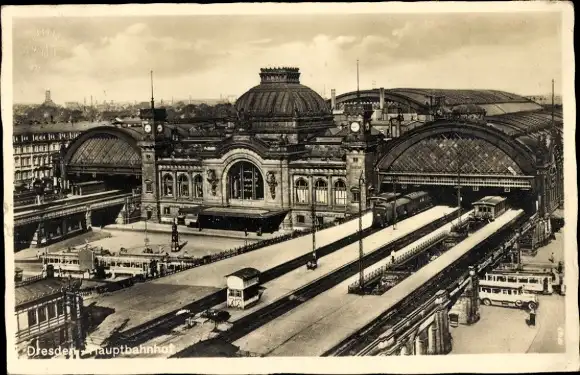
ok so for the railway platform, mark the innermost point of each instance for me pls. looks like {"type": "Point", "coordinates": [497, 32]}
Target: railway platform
{"type": "Point", "coordinates": [288, 283]}
{"type": "Point", "coordinates": [323, 322]}
{"type": "Point", "coordinates": [161, 296]}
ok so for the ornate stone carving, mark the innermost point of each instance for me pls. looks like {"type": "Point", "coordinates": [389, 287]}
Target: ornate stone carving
{"type": "Point", "coordinates": [213, 181]}
{"type": "Point", "coordinates": [272, 183]}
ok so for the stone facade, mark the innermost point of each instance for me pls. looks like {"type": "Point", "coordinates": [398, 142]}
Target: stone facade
{"type": "Point", "coordinates": [284, 137]}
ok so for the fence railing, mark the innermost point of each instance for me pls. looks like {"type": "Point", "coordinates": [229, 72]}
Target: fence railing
{"type": "Point", "coordinates": [29, 280]}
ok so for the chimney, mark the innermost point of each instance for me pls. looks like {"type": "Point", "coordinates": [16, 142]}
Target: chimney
{"type": "Point", "coordinates": [333, 99]}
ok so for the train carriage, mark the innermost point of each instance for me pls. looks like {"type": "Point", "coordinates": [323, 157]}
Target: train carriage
{"type": "Point", "coordinates": [406, 205]}
{"type": "Point", "coordinates": [489, 208]}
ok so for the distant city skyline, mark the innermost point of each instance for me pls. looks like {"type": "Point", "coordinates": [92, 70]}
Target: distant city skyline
{"type": "Point", "coordinates": [110, 57]}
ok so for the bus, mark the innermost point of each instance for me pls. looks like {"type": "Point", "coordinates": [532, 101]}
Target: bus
{"type": "Point", "coordinates": [535, 282]}
{"type": "Point", "coordinates": [506, 296]}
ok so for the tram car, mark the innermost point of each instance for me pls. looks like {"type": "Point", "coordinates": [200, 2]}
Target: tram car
{"type": "Point", "coordinates": [489, 208]}
{"type": "Point", "coordinates": [405, 205]}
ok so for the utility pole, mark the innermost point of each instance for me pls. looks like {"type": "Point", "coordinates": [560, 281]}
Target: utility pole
{"type": "Point", "coordinates": [357, 83]}
{"type": "Point", "coordinates": [313, 212]}
{"type": "Point", "coordinates": [152, 100]}
{"type": "Point", "coordinates": [394, 202]}
{"type": "Point", "coordinates": [361, 182]}
{"type": "Point", "coordinates": [459, 162]}
{"type": "Point", "coordinates": [552, 103]}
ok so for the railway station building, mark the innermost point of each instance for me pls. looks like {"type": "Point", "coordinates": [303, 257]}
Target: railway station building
{"type": "Point", "coordinates": [288, 148]}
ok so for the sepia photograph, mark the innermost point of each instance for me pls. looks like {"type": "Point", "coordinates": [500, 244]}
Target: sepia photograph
{"type": "Point", "coordinates": [271, 181]}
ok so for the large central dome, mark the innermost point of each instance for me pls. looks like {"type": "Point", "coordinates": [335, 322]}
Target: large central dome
{"type": "Point", "coordinates": [280, 94]}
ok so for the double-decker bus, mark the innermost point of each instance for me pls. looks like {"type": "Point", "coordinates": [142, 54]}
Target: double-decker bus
{"type": "Point", "coordinates": [531, 281]}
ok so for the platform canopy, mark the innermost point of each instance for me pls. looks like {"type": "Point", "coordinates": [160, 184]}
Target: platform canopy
{"type": "Point", "coordinates": [241, 218]}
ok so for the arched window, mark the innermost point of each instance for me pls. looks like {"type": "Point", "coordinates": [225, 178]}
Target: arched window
{"type": "Point", "coordinates": [198, 186]}
{"type": "Point", "coordinates": [168, 185]}
{"type": "Point", "coordinates": [320, 192]}
{"type": "Point", "coordinates": [245, 181]}
{"type": "Point", "coordinates": [301, 187]}
{"type": "Point", "coordinates": [340, 193]}
{"type": "Point", "coordinates": [183, 186]}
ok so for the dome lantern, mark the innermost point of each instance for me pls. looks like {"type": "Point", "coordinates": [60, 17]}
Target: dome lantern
{"type": "Point", "coordinates": [280, 75]}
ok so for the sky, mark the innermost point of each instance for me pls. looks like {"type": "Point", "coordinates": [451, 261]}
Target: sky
{"type": "Point", "coordinates": [205, 56]}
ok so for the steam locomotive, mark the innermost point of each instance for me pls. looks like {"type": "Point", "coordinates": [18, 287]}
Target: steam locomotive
{"type": "Point", "coordinates": [384, 206]}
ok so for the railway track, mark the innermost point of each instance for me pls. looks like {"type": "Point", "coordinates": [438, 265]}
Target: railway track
{"type": "Point", "coordinates": [448, 280]}
{"type": "Point", "coordinates": [167, 322]}
{"type": "Point", "coordinates": [272, 311]}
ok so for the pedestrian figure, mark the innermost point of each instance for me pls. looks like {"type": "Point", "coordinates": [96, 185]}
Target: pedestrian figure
{"type": "Point", "coordinates": [551, 258]}
{"type": "Point", "coordinates": [532, 321]}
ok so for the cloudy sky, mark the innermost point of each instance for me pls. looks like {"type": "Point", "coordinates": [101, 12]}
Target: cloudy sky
{"type": "Point", "coordinates": [205, 56]}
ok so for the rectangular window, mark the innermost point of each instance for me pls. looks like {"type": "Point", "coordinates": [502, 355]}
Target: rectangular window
{"type": "Point", "coordinates": [340, 197]}
{"type": "Point", "coordinates": [59, 308]}
{"type": "Point", "coordinates": [32, 317]}
{"type": "Point", "coordinates": [51, 310]}
{"type": "Point", "coordinates": [523, 280]}
{"type": "Point", "coordinates": [302, 194]}
{"type": "Point", "coordinates": [321, 196]}
{"type": "Point", "coordinates": [42, 314]}
{"type": "Point", "coordinates": [512, 279]}
{"type": "Point", "coordinates": [166, 210]}
{"type": "Point", "coordinates": [355, 160]}
{"type": "Point", "coordinates": [300, 219]}
{"type": "Point", "coordinates": [533, 280]}
{"type": "Point", "coordinates": [496, 291]}
{"type": "Point", "coordinates": [356, 197]}
{"type": "Point", "coordinates": [148, 187]}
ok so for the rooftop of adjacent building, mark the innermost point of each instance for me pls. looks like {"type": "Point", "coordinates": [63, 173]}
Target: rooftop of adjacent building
{"type": "Point", "coordinates": [39, 287]}
{"type": "Point", "coordinates": [56, 127]}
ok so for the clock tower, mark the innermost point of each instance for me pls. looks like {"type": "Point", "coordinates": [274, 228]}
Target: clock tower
{"type": "Point", "coordinates": [153, 136]}
{"type": "Point", "coordinates": [360, 146]}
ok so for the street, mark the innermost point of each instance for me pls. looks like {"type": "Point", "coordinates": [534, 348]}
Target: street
{"type": "Point", "coordinates": [504, 330]}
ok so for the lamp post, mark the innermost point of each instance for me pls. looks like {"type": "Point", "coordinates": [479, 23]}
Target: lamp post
{"type": "Point", "coordinates": [361, 182]}
{"type": "Point", "coordinates": [146, 237]}
{"type": "Point", "coordinates": [394, 202]}
{"type": "Point", "coordinates": [313, 212]}
{"type": "Point", "coordinates": [458, 187]}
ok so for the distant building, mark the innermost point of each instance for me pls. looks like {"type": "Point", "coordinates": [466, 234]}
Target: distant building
{"type": "Point", "coordinates": [546, 99]}
{"type": "Point", "coordinates": [35, 144]}
{"type": "Point", "coordinates": [48, 100]}
{"type": "Point", "coordinates": [73, 105]}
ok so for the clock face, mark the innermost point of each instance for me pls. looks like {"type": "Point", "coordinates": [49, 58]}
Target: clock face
{"type": "Point", "coordinates": [354, 127]}
{"type": "Point", "coordinates": [147, 128]}
{"type": "Point", "coordinates": [159, 128]}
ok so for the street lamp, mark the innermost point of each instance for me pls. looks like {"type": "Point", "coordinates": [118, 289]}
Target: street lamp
{"type": "Point", "coordinates": [361, 182]}
{"type": "Point", "coordinates": [459, 160]}
{"type": "Point", "coordinates": [314, 222]}
{"type": "Point", "coordinates": [146, 237]}
{"type": "Point", "coordinates": [394, 202]}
